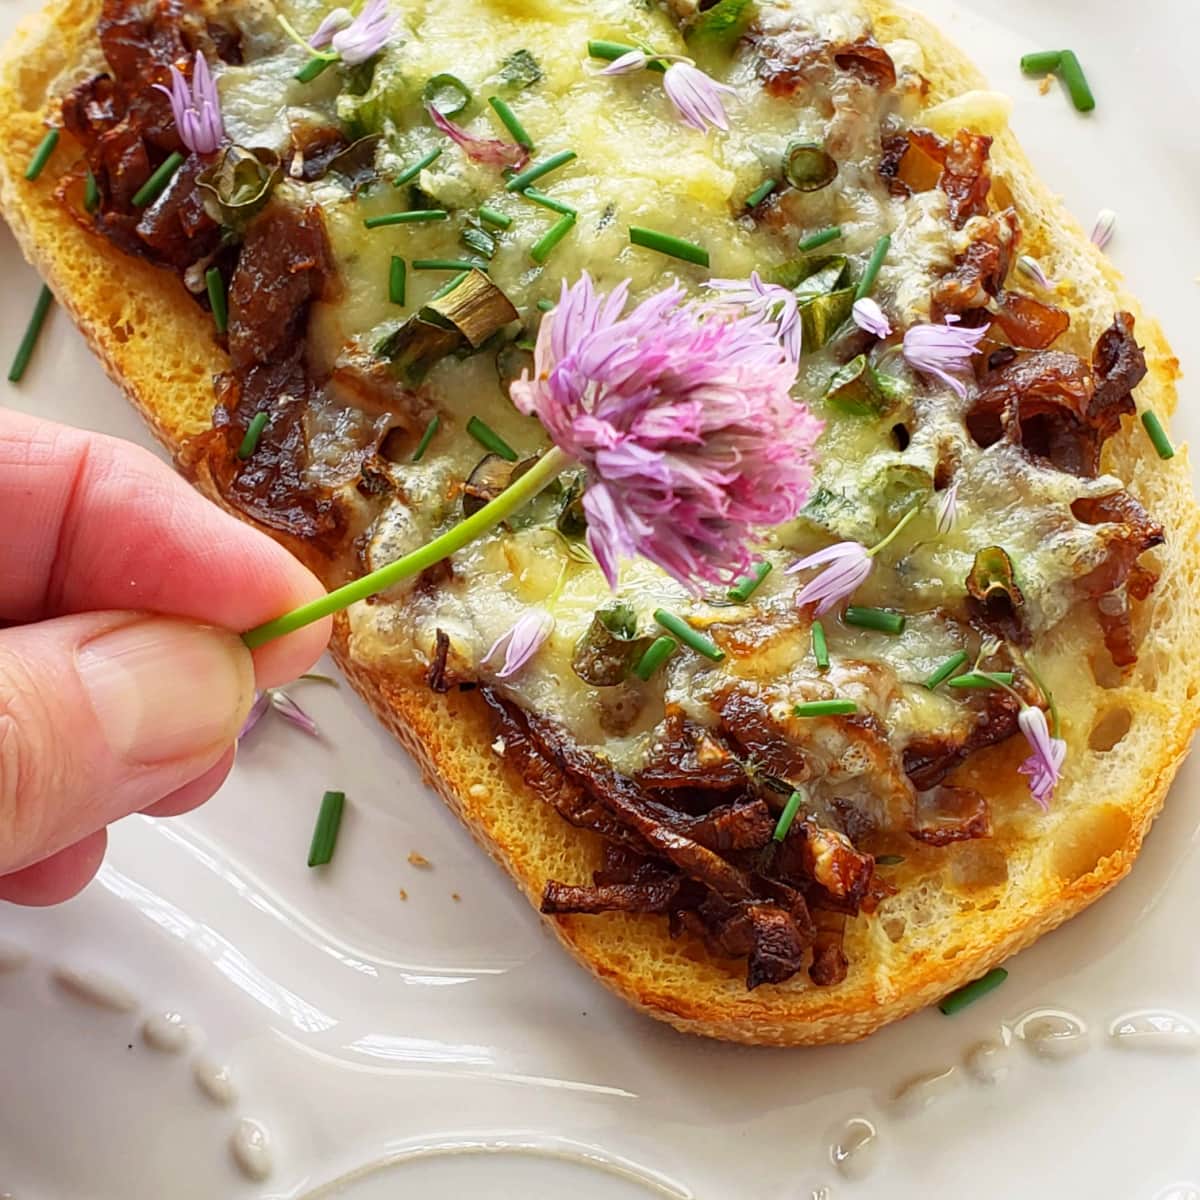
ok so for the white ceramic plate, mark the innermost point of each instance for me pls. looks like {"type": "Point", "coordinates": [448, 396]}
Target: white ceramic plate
{"type": "Point", "coordinates": [444, 1046]}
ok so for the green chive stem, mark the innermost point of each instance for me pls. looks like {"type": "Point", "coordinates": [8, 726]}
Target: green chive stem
{"type": "Point", "coordinates": [1041, 62]}
{"type": "Point", "coordinates": [790, 809]}
{"type": "Point", "coordinates": [748, 584]}
{"type": "Point", "coordinates": [957, 1001]}
{"type": "Point", "coordinates": [825, 708]}
{"type": "Point", "coordinates": [1157, 435]}
{"type": "Point", "coordinates": [688, 636]}
{"type": "Point", "coordinates": [820, 647]}
{"type": "Point", "coordinates": [413, 217]}
{"type": "Point", "coordinates": [821, 238]}
{"type": "Point", "coordinates": [532, 174]}
{"type": "Point", "coordinates": [545, 306]}
{"type": "Point", "coordinates": [982, 679]}
{"type": "Point", "coordinates": [946, 670]}
{"type": "Point", "coordinates": [888, 860]}
{"type": "Point", "coordinates": [449, 286]}
{"type": "Point", "coordinates": [541, 249]}
{"type": "Point", "coordinates": [91, 193]}
{"type": "Point", "coordinates": [159, 180]}
{"type": "Point", "coordinates": [549, 202]}
{"type": "Point", "coordinates": [217, 299]}
{"type": "Point", "coordinates": [434, 425]}
{"type": "Point", "coordinates": [867, 282]}
{"type": "Point", "coordinates": [510, 122]}
{"type": "Point", "coordinates": [761, 192]}
{"type": "Point", "coordinates": [36, 320]}
{"type": "Point", "coordinates": [880, 619]}
{"type": "Point", "coordinates": [253, 433]}
{"type": "Point", "coordinates": [313, 68]}
{"type": "Point", "coordinates": [656, 654]}
{"type": "Point", "coordinates": [494, 217]}
{"type": "Point", "coordinates": [1071, 73]}
{"type": "Point", "coordinates": [489, 439]}
{"type": "Point", "coordinates": [450, 264]}
{"type": "Point", "coordinates": [41, 156]}
{"type": "Point", "coordinates": [665, 243]}
{"type": "Point", "coordinates": [397, 280]}
{"type": "Point", "coordinates": [891, 537]}
{"type": "Point", "coordinates": [325, 834]}
{"type": "Point", "coordinates": [411, 172]}
{"type": "Point", "coordinates": [611, 51]}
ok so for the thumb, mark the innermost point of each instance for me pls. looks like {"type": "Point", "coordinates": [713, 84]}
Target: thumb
{"type": "Point", "coordinates": [102, 714]}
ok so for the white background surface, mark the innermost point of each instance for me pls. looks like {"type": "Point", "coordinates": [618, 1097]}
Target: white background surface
{"type": "Point", "coordinates": [360, 1026]}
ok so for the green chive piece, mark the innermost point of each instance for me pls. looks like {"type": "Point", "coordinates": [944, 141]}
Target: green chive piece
{"type": "Point", "coordinates": [820, 647]}
{"type": "Point", "coordinates": [889, 860]}
{"type": "Point", "coordinates": [159, 180]}
{"type": "Point", "coordinates": [253, 433]}
{"type": "Point", "coordinates": [41, 156]}
{"type": "Point", "coordinates": [29, 341]}
{"type": "Point", "coordinates": [540, 250]}
{"type": "Point", "coordinates": [1071, 73]}
{"type": "Point", "coordinates": [549, 202]}
{"type": "Point", "coordinates": [325, 835]}
{"type": "Point", "coordinates": [411, 172]}
{"type": "Point", "coordinates": [446, 93]}
{"type": "Point", "coordinates": [821, 238]}
{"type": "Point", "coordinates": [957, 1001]}
{"type": "Point", "coordinates": [656, 654]}
{"type": "Point", "coordinates": [825, 708]}
{"type": "Point", "coordinates": [761, 192]}
{"type": "Point", "coordinates": [216, 298]}
{"type": "Point", "coordinates": [434, 425]}
{"type": "Point", "coordinates": [313, 68]}
{"type": "Point", "coordinates": [489, 439]}
{"type": "Point", "coordinates": [946, 670]}
{"type": "Point", "coordinates": [450, 264]}
{"type": "Point", "coordinates": [748, 584]}
{"type": "Point", "coordinates": [611, 51]}
{"type": "Point", "coordinates": [1041, 62]}
{"type": "Point", "coordinates": [532, 174]}
{"type": "Point", "coordinates": [494, 217]}
{"type": "Point", "coordinates": [688, 636]}
{"type": "Point", "coordinates": [508, 119]}
{"type": "Point", "coordinates": [790, 809]}
{"type": "Point", "coordinates": [91, 193]}
{"type": "Point", "coordinates": [867, 282]}
{"type": "Point", "coordinates": [397, 280]}
{"type": "Point", "coordinates": [879, 619]}
{"type": "Point", "coordinates": [449, 286]}
{"type": "Point", "coordinates": [982, 679]}
{"type": "Point", "coordinates": [414, 217]}
{"type": "Point", "coordinates": [664, 243]}
{"type": "Point", "coordinates": [545, 305]}
{"type": "Point", "coordinates": [1158, 435]}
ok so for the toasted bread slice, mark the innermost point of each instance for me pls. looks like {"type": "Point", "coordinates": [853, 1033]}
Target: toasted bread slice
{"type": "Point", "coordinates": [955, 915]}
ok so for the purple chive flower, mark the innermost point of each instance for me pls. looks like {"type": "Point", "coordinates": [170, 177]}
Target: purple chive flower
{"type": "Point", "coordinates": [849, 565]}
{"type": "Point", "coordinates": [944, 351]}
{"type": "Point", "coordinates": [521, 642]}
{"type": "Point", "coordinates": [869, 316]}
{"type": "Point", "coordinates": [196, 107]}
{"type": "Point", "coordinates": [947, 510]}
{"type": "Point", "coordinates": [696, 97]}
{"type": "Point", "coordinates": [1105, 226]}
{"type": "Point", "coordinates": [285, 706]}
{"type": "Point", "coordinates": [1044, 766]}
{"type": "Point", "coordinates": [262, 702]}
{"type": "Point", "coordinates": [775, 304]}
{"type": "Point", "coordinates": [627, 64]}
{"type": "Point", "coordinates": [356, 38]}
{"type": "Point", "coordinates": [1032, 269]}
{"type": "Point", "coordinates": [684, 419]}
{"type": "Point", "coordinates": [337, 20]}
{"type": "Point", "coordinates": [481, 150]}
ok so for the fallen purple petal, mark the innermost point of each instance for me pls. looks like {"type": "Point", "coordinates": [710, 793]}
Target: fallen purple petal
{"type": "Point", "coordinates": [627, 64]}
{"type": "Point", "coordinates": [521, 642]}
{"type": "Point", "coordinates": [262, 702]}
{"type": "Point", "coordinates": [481, 150]}
{"type": "Point", "coordinates": [1043, 768]}
{"type": "Point", "coordinates": [869, 316]}
{"type": "Point", "coordinates": [1104, 228]}
{"type": "Point", "coordinates": [696, 97]}
{"type": "Point", "coordinates": [943, 351]}
{"type": "Point", "coordinates": [287, 708]}
{"type": "Point", "coordinates": [847, 566]}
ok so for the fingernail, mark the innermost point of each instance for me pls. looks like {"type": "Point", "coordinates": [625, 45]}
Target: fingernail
{"type": "Point", "coordinates": [164, 689]}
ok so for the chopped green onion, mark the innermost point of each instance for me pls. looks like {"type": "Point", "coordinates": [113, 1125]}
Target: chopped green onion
{"type": "Point", "coordinates": [412, 217]}
{"type": "Point", "coordinates": [216, 298]}
{"type": "Point", "coordinates": [434, 425]}
{"type": "Point", "coordinates": [867, 282]}
{"type": "Point", "coordinates": [821, 238]}
{"type": "Point", "coordinates": [446, 93]}
{"type": "Point", "coordinates": [509, 119]}
{"type": "Point", "coordinates": [879, 619]}
{"type": "Point", "coordinates": [1041, 62]}
{"type": "Point", "coordinates": [748, 584]}
{"type": "Point", "coordinates": [611, 51]}
{"type": "Point", "coordinates": [25, 350]}
{"type": "Point", "coordinates": [91, 193]}
{"type": "Point", "coordinates": [313, 68]}
{"type": "Point", "coordinates": [809, 167]}
{"type": "Point", "coordinates": [449, 264]}
{"type": "Point", "coordinates": [541, 249]}
{"type": "Point", "coordinates": [411, 172]}
{"type": "Point", "coordinates": [489, 439]}
{"type": "Point", "coordinates": [159, 180]}
{"type": "Point", "coordinates": [982, 679]}
{"type": "Point", "coordinates": [957, 1001]}
{"type": "Point", "coordinates": [1071, 73]}
{"type": "Point", "coordinates": [656, 654]}
{"type": "Point", "coordinates": [41, 155]}
{"type": "Point", "coordinates": [820, 647]}
{"type": "Point", "coordinates": [545, 305]}
{"type": "Point", "coordinates": [761, 192]}
{"type": "Point", "coordinates": [549, 202]}
{"type": "Point", "coordinates": [325, 835]}
{"type": "Point", "coordinates": [397, 280]}
{"type": "Point", "coordinates": [664, 243]}
{"type": "Point", "coordinates": [889, 860]}
{"type": "Point", "coordinates": [688, 636]}
{"type": "Point", "coordinates": [1158, 435]}
{"type": "Point", "coordinates": [494, 217]}
{"type": "Point", "coordinates": [790, 809]}
{"type": "Point", "coordinates": [946, 670]}
{"type": "Point", "coordinates": [478, 239]}
{"type": "Point", "coordinates": [532, 174]}
{"type": "Point", "coordinates": [448, 287]}
{"type": "Point", "coordinates": [253, 433]}
{"type": "Point", "coordinates": [825, 708]}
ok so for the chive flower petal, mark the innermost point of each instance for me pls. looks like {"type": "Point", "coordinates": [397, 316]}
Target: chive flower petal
{"type": "Point", "coordinates": [696, 97]}
{"type": "Point", "coordinates": [520, 643]}
{"type": "Point", "coordinates": [1103, 229]}
{"type": "Point", "coordinates": [196, 107]}
{"type": "Point", "coordinates": [1043, 768]}
{"type": "Point", "coordinates": [847, 565]}
{"type": "Point", "coordinates": [491, 151]}
{"type": "Point", "coordinates": [869, 316]}
{"type": "Point", "coordinates": [943, 351]}
{"type": "Point", "coordinates": [771, 302]}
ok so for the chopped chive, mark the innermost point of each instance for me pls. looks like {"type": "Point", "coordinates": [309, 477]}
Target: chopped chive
{"type": "Point", "coordinates": [216, 298]}
{"type": "Point", "coordinates": [159, 180]}
{"type": "Point", "coordinates": [313, 68]}
{"type": "Point", "coordinates": [790, 809]}
{"type": "Point", "coordinates": [664, 243]}
{"type": "Point", "coordinates": [325, 835]}
{"type": "Point", "coordinates": [748, 584]}
{"type": "Point", "coordinates": [532, 174]}
{"type": "Point", "coordinates": [509, 119]}
{"type": "Point", "coordinates": [434, 425]}
{"type": "Point", "coordinates": [1158, 435]}
{"type": "Point", "coordinates": [541, 249]}
{"type": "Point", "coordinates": [397, 280]}
{"type": "Point", "coordinates": [41, 156]}
{"type": "Point", "coordinates": [253, 433]}
{"type": "Point", "coordinates": [957, 1001]}
{"type": "Point", "coordinates": [489, 439]}
{"type": "Point", "coordinates": [549, 202]}
{"type": "Point", "coordinates": [494, 217]}
{"type": "Point", "coordinates": [821, 238]}
{"type": "Point", "coordinates": [413, 217]}
{"type": "Point", "coordinates": [449, 264]}
{"type": "Point", "coordinates": [611, 51]}
{"type": "Point", "coordinates": [879, 619]}
{"type": "Point", "coordinates": [867, 282]}
{"type": "Point", "coordinates": [1041, 62]}
{"type": "Point", "coordinates": [411, 172]}
{"type": "Point", "coordinates": [820, 647]}
{"type": "Point", "coordinates": [688, 636]}
{"type": "Point", "coordinates": [889, 860]}
{"type": "Point", "coordinates": [25, 350]}
{"type": "Point", "coordinates": [982, 679]}
{"type": "Point", "coordinates": [761, 192]}
{"type": "Point", "coordinates": [446, 93]}
{"type": "Point", "coordinates": [545, 305]}
{"type": "Point", "coordinates": [449, 286]}
{"type": "Point", "coordinates": [825, 708]}
{"type": "Point", "coordinates": [1071, 73]}
{"type": "Point", "coordinates": [946, 670]}
{"type": "Point", "coordinates": [656, 654]}
{"type": "Point", "coordinates": [476, 238]}
{"type": "Point", "coordinates": [91, 193]}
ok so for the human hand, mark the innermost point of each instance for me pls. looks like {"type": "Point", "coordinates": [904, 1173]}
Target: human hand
{"type": "Point", "coordinates": [123, 682]}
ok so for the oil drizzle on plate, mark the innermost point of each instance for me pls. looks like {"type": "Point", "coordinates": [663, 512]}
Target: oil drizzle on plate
{"type": "Point", "coordinates": [1158, 1030]}
{"type": "Point", "coordinates": [854, 1148]}
{"type": "Point", "coordinates": [251, 1149]}
{"type": "Point", "coordinates": [1053, 1033]}
{"type": "Point", "coordinates": [215, 1080]}
{"type": "Point", "coordinates": [96, 989]}
{"type": "Point", "coordinates": [924, 1091]}
{"type": "Point", "coordinates": [166, 1032]}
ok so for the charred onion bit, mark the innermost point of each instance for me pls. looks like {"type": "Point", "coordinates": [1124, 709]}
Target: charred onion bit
{"type": "Point", "coordinates": [994, 600]}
